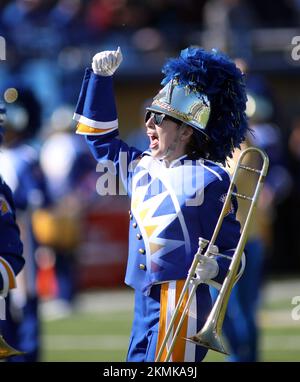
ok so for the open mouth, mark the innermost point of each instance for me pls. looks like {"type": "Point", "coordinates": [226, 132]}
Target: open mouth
{"type": "Point", "coordinates": [153, 141]}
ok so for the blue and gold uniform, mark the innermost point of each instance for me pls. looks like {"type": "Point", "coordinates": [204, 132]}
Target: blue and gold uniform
{"type": "Point", "coordinates": [19, 167]}
{"type": "Point", "coordinates": [11, 247]}
{"type": "Point", "coordinates": [23, 174]}
{"type": "Point", "coordinates": [165, 223]}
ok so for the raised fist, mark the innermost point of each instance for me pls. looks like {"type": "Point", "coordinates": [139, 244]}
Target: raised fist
{"type": "Point", "coordinates": [106, 63]}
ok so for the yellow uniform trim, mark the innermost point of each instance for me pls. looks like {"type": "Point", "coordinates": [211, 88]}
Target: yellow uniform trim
{"type": "Point", "coordinates": [10, 273]}
{"type": "Point", "coordinates": [85, 129]}
{"type": "Point", "coordinates": [179, 348]}
{"type": "Point", "coordinates": [162, 319]}
{"type": "Point", "coordinates": [178, 354]}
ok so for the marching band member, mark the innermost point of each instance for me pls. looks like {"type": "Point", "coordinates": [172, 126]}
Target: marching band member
{"type": "Point", "coordinates": [177, 187]}
{"type": "Point", "coordinates": [19, 162]}
{"type": "Point", "coordinates": [11, 247]}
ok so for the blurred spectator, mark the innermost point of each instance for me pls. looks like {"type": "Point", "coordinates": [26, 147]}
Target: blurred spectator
{"type": "Point", "coordinates": [44, 37]}
{"type": "Point", "coordinates": [26, 24]}
{"type": "Point", "coordinates": [227, 24]}
{"type": "Point", "coordinates": [240, 325]}
{"type": "Point", "coordinates": [33, 44]}
{"type": "Point", "coordinates": [289, 212]}
{"type": "Point", "coordinates": [294, 150]}
{"type": "Point", "coordinates": [71, 177]}
{"type": "Point", "coordinates": [276, 14]}
{"type": "Point", "coordinates": [66, 16]}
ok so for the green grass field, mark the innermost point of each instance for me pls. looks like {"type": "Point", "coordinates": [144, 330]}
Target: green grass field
{"type": "Point", "coordinates": [98, 329]}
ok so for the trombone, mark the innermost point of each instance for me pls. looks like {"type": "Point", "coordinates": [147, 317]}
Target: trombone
{"type": "Point", "coordinates": [6, 350]}
{"type": "Point", "coordinates": [210, 335]}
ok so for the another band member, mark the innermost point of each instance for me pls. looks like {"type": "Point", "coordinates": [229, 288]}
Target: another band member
{"type": "Point", "coordinates": [19, 163]}
{"type": "Point", "coordinates": [11, 247]}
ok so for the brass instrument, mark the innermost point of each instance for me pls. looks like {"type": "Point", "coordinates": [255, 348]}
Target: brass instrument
{"type": "Point", "coordinates": [210, 335]}
{"type": "Point", "coordinates": [6, 350]}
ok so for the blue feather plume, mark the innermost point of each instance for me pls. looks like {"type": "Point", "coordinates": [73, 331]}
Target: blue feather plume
{"type": "Point", "coordinates": [214, 74]}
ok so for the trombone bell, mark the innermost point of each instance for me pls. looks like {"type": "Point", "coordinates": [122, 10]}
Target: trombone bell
{"type": "Point", "coordinates": [6, 350]}
{"type": "Point", "coordinates": [210, 339]}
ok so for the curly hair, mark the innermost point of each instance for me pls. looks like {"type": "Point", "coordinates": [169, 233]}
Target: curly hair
{"type": "Point", "coordinates": [215, 75]}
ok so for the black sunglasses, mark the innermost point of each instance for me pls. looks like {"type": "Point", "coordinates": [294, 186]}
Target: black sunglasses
{"type": "Point", "coordinates": [158, 118]}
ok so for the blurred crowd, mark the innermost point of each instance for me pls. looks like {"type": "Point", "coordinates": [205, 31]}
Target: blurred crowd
{"type": "Point", "coordinates": [66, 226]}
{"type": "Point", "coordinates": [49, 42]}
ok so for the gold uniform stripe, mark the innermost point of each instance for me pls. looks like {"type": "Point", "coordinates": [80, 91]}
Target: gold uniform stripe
{"type": "Point", "coordinates": [162, 319]}
{"type": "Point", "coordinates": [179, 348]}
{"type": "Point", "coordinates": [82, 128]}
{"type": "Point", "coordinates": [10, 273]}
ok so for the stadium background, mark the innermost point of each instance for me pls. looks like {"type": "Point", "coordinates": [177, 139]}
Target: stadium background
{"type": "Point", "coordinates": [48, 45]}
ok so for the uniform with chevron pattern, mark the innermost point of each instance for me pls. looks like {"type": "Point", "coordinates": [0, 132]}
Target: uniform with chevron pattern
{"type": "Point", "coordinates": [166, 220]}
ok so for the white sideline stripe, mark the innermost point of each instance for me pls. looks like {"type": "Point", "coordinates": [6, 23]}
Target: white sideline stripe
{"type": "Point", "coordinates": [277, 319]}
{"type": "Point", "coordinates": [107, 342]}
{"type": "Point", "coordinates": [281, 342]}
{"type": "Point", "coordinates": [85, 342]}
{"type": "Point", "coordinates": [281, 290]}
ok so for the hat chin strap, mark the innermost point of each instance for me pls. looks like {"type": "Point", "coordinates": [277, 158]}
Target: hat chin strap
{"type": "Point", "coordinates": [172, 147]}
{"type": "Point", "coordinates": [169, 150]}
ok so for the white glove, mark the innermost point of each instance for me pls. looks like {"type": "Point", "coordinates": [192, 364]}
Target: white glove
{"type": "Point", "coordinates": [107, 62]}
{"type": "Point", "coordinates": [207, 268]}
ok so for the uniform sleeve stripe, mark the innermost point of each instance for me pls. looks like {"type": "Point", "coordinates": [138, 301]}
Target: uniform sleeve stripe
{"type": "Point", "coordinates": [95, 124]}
{"type": "Point", "coordinates": [10, 273]}
{"type": "Point", "coordinates": [87, 130]}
